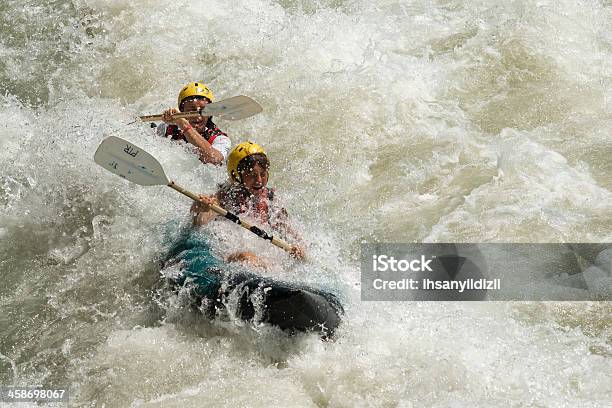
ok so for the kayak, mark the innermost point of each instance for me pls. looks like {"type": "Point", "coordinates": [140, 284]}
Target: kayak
{"type": "Point", "coordinates": [214, 286]}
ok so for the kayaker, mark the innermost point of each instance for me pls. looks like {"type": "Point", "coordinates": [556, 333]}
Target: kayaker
{"type": "Point", "coordinates": [247, 193]}
{"type": "Point", "coordinates": [212, 144]}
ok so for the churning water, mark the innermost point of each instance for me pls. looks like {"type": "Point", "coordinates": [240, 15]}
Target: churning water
{"type": "Point", "coordinates": [388, 121]}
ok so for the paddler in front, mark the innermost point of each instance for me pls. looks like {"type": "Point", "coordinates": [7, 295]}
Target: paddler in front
{"type": "Point", "coordinates": [211, 143]}
{"type": "Point", "coordinates": [247, 193]}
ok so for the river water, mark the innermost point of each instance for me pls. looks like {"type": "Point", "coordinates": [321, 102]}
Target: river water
{"type": "Point", "coordinates": [388, 121]}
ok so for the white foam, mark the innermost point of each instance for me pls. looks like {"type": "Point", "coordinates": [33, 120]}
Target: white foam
{"type": "Point", "coordinates": [387, 121]}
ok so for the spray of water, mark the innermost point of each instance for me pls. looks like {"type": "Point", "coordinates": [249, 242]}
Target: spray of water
{"type": "Point", "coordinates": [393, 121]}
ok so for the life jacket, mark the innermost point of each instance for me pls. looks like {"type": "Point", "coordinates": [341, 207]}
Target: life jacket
{"type": "Point", "coordinates": [263, 206]}
{"type": "Point", "coordinates": [238, 199]}
{"type": "Point", "coordinates": [211, 132]}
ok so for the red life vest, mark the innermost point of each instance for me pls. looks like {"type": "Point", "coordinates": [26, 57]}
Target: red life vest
{"type": "Point", "coordinates": [239, 200]}
{"type": "Point", "coordinates": [211, 131]}
{"type": "Point", "coordinates": [261, 206]}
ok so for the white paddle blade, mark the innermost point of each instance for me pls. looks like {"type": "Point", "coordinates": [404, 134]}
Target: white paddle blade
{"type": "Point", "coordinates": [234, 108]}
{"type": "Point", "coordinates": [129, 161]}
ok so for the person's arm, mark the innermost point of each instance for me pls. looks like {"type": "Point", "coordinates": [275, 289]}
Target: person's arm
{"type": "Point", "coordinates": [201, 212]}
{"type": "Point", "coordinates": [298, 252]}
{"type": "Point", "coordinates": [206, 152]}
{"type": "Point", "coordinates": [282, 224]}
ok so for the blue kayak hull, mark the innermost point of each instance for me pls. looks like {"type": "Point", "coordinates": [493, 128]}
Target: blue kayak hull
{"type": "Point", "coordinates": [214, 285]}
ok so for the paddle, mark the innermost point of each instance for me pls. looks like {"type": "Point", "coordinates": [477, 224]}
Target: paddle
{"type": "Point", "coordinates": [126, 160]}
{"type": "Point", "coordinates": [235, 108]}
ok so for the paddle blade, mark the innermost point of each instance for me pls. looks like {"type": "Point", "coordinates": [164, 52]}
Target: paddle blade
{"type": "Point", "coordinates": [234, 108]}
{"type": "Point", "coordinates": [129, 161]}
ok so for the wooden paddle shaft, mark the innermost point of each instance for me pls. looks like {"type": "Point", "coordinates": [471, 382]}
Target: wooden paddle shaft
{"type": "Point", "coordinates": [183, 115]}
{"type": "Point", "coordinates": [232, 217]}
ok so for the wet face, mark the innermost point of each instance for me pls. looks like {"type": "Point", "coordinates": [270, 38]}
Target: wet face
{"type": "Point", "coordinates": [193, 104]}
{"type": "Point", "coordinates": [255, 179]}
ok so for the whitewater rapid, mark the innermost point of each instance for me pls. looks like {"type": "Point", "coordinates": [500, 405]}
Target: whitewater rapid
{"type": "Point", "coordinates": [393, 121]}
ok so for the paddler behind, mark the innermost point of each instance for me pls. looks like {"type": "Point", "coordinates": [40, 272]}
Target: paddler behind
{"type": "Point", "coordinates": [247, 193]}
{"type": "Point", "coordinates": [211, 143]}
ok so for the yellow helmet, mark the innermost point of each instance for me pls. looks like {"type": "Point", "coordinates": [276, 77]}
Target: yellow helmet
{"type": "Point", "coordinates": [239, 152]}
{"type": "Point", "coordinates": [195, 89]}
